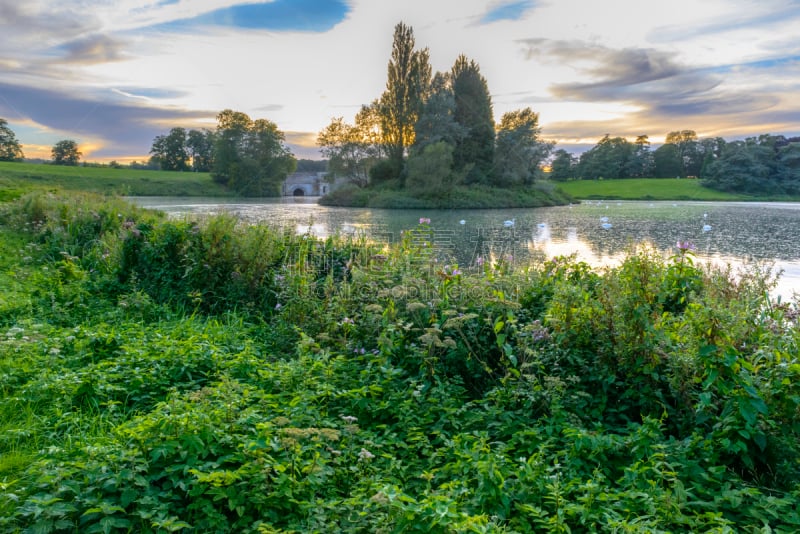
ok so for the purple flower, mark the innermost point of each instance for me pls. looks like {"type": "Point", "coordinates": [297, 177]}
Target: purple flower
{"type": "Point", "coordinates": [684, 246]}
{"type": "Point", "coordinates": [479, 261]}
{"type": "Point", "coordinates": [424, 220]}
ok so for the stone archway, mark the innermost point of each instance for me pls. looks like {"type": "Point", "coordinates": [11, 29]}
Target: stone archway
{"type": "Point", "coordinates": [298, 192]}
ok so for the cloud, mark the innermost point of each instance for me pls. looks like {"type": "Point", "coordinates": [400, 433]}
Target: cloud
{"type": "Point", "coordinates": [512, 10]}
{"type": "Point", "coordinates": [122, 128]}
{"type": "Point", "coordinates": [93, 49]}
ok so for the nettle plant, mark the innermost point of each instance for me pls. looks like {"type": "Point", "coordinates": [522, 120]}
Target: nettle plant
{"type": "Point", "coordinates": [227, 378]}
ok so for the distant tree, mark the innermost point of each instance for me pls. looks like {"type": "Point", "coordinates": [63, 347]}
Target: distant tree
{"type": "Point", "coordinates": [519, 149]}
{"type": "Point", "coordinates": [743, 167]}
{"type": "Point", "coordinates": [408, 80]}
{"type": "Point", "coordinates": [170, 150]}
{"type": "Point", "coordinates": [711, 149]}
{"type": "Point", "coordinates": [200, 148]}
{"type": "Point", "coordinates": [352, 150]}
{"type": "Point", "coordinates": [9, 147]}
{"type": "Point", "coordinates": [788, 158]}
{"type": "Point", "coordinates": [66, 152]}
{"type": "Point", "coordinates": [667, 161]}
{"type": "Point", "coordinates": [609, 158]}
{"type": "Point", "coordinates": [640, 164]}
{"type": "Point", "coordinates": [563, 165]}
{"type": "Point", "coordinates": [251, 157]}
{"type": "Point", "coordinates": [474, 153]}
{"type": "Point", "coordinates": [689, 154]}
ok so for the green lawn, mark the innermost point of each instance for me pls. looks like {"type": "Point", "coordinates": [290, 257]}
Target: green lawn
{"type": "Point", "coordinates": [16, 178]}
{"type": "Point", "coordinates": [653, 189]}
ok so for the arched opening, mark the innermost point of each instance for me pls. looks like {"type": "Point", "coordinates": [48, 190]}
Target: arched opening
{"type": "Point", "coordinates": [299, 192]}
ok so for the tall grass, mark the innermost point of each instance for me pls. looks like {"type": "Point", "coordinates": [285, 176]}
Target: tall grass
{"type": "Point", "coordinates": [208, 376]}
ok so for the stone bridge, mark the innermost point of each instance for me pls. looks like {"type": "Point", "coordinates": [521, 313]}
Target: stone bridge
{"type": "Point", "coordinates": [305, 184]}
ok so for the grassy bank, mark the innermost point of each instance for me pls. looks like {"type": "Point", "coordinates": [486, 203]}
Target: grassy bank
{"type": "Point", "coordinates": [168, 376]}
{"type": "Point", "coordinates": [16, 178]}
{"type": "Point", "coordinates": [481, 197]}
{"type": "Point", "coordinates": [654, 189]}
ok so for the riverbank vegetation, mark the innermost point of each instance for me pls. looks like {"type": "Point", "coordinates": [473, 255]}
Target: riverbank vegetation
{"type": "Point", "coordinates": [208, 376]}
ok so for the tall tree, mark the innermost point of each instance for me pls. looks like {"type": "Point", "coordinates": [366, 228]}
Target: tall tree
{"type": "Point", "coordinates": [691, 159]}
{"type": "Point", "coordinates": [519, 150]}
{"type": "Point", "coordinates": [667, 161]}
{"type": "Point", "coordinates": [640, 164]}
{"type": "Point", "coordinates": [437, 120]}
{"type": "Point", "coordinates": [66, 152]}
{"type": "Point", "coordinates": [170, 150]}
{"type": "Point", "coordinates": [200, 145]}
{"type": "Point", "coordinates": [474, 153]}
{"type": "Point", "coordinates": [609, 158]}
{"type": "Point", "coordinates": [407, 83]}
{"type": "Point", "coordinates": [251, 157]}
{"type": "Point", "coordinates": [563, 166]}
{"type": "Point", "coordinates": [9, 146]}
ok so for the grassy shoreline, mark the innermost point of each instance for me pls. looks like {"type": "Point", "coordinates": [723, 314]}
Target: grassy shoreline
{"type": "Point", "coordinates": [657, 189]}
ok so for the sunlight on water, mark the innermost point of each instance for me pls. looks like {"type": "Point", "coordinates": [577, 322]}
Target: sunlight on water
{"type": "Point", "coordinates": [597, 232]}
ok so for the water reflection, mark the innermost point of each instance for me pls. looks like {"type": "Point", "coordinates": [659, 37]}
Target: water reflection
{"type": "Point", "coordinates": [596, 232]}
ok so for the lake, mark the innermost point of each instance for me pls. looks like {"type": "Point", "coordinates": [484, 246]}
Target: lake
{"type": "Point", "coordinates": [597, 232]}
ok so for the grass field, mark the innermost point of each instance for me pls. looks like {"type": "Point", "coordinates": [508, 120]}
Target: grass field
{"type": "Point", "coordinates": [653, 189]}
{"type": "Point", "coordinates": [17, 178]}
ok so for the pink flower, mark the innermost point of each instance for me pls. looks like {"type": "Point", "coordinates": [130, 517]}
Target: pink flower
{"type": "Point", "coordinates": [424, 220]}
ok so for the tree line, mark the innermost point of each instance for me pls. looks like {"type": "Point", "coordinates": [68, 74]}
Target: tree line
{"type": "Point", "coordinates": [430, 132]}
{"type": "Point", "coordinates": [766, 163]}
{"type": "Point", "coordinates": [64, 152]}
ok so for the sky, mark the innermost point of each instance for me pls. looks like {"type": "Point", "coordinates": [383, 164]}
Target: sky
{"type": "Point", "coordinates": [114, 74]}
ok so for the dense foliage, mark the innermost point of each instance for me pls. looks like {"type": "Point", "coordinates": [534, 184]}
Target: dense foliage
{"type": "Point", "coordinates": [767, 164]}
{"type": "Point", "coordinates": [9, 146]}
{"type": "Point", "coordinates": [429, 133]}
{"type": "Point", "coordinates": [213, 377]}
{"type": "Point", "coordinates": [66, 152]}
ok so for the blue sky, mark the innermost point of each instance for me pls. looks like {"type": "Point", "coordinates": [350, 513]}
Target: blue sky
{"type": "Point", "coordinates": [113, 74]}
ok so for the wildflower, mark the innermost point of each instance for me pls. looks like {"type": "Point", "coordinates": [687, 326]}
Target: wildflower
{"type": "Point", "coordinates": [365, 454]}
{"type": "Point", "coordinates": [424, 220]}
{"type": "Point", "coordinates": [349, 419]}
{"type": "Point", "coordinates": [685, 246]}
{"type": "Point", "coordinates": [278, 306]}
{"type": "Point", "coordinates": [479, 261]}
{"type": "Point", "coordinates": [348, 320]}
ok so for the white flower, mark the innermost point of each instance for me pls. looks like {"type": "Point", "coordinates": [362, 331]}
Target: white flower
{"type": "Point", "coordinates": [365, 454]}
{"type": "Point", "coordinates": [349, 419]}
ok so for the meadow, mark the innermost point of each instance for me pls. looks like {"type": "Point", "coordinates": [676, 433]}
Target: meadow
{"type": "Point", "coordinates": [17, 178]}
{"type": "Point", "coordinates": [208, 376]}
{"type": "Point", "coordinates": [654, 189]}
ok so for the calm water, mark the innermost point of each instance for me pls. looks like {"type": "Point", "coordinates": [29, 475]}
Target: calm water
{"type": "Point", "coordinates": [597, 232]}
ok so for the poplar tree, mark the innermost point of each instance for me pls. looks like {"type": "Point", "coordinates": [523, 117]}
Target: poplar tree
{"type": "Point", "coordinates": [407, 83]}
{"type": "Point", "coordinates": [473, 110]}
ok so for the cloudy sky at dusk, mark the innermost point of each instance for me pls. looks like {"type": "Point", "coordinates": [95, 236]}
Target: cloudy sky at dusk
{"type": "Point", "coordinates": [113, 74]}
